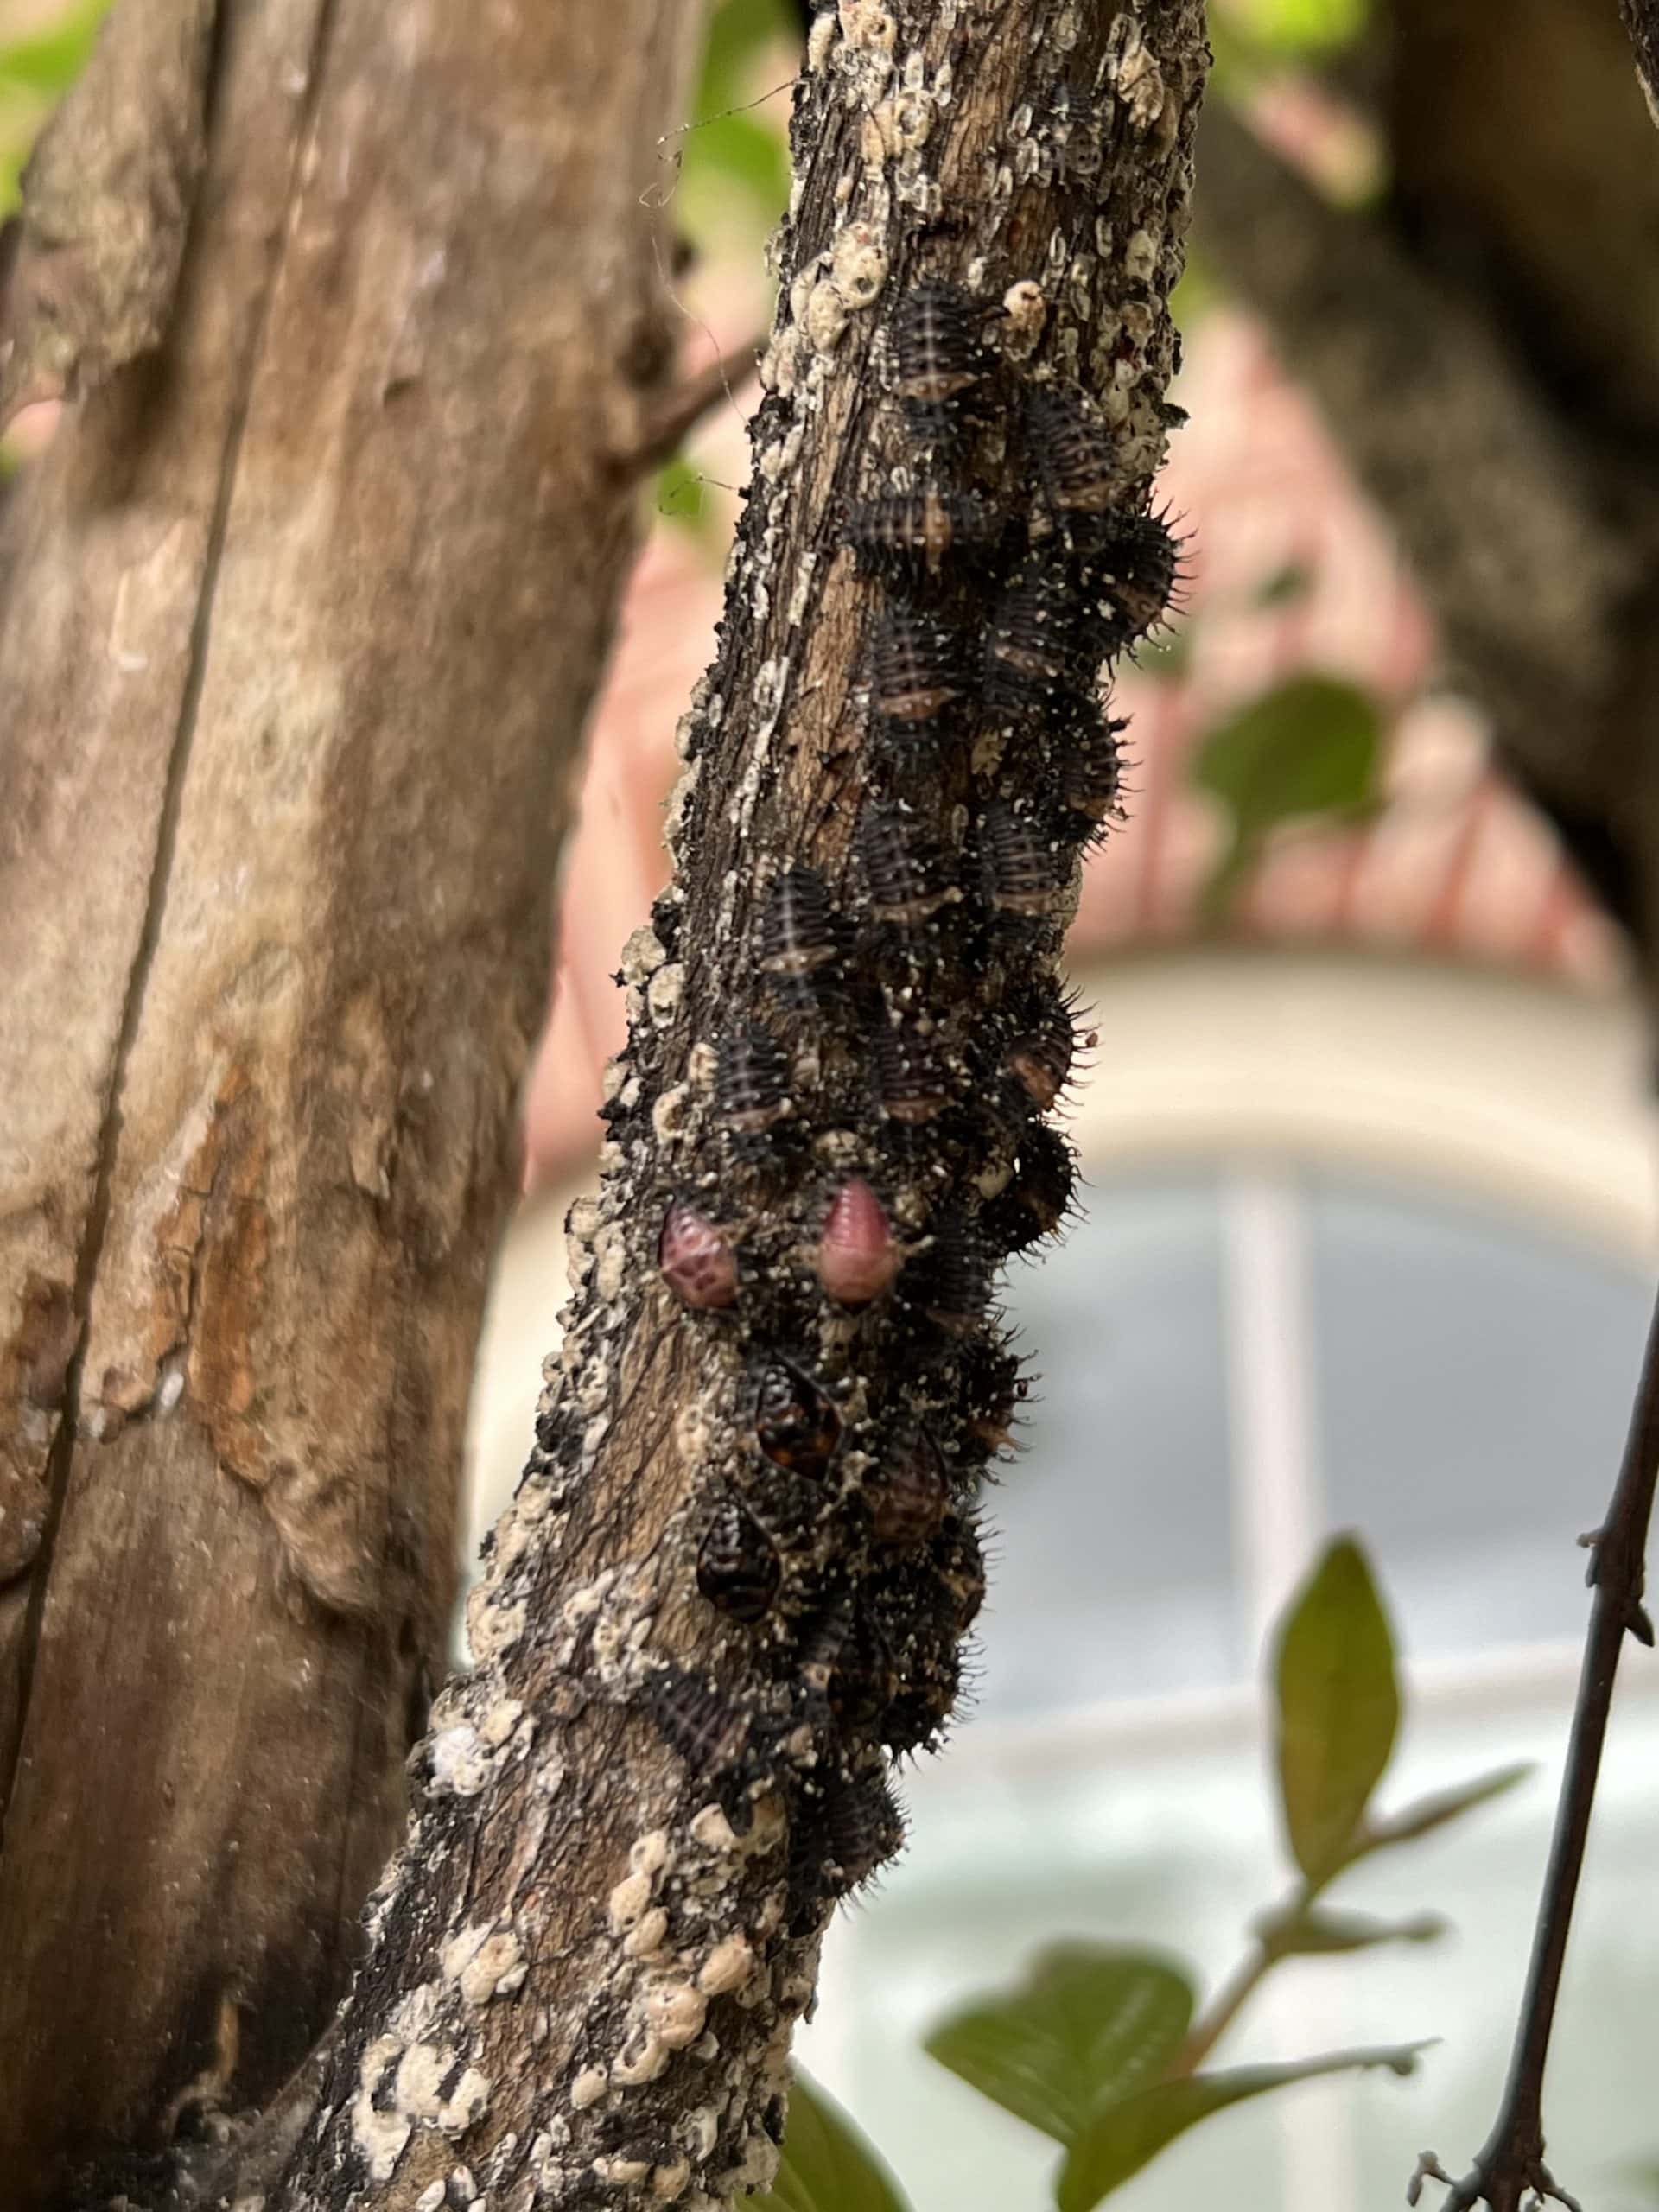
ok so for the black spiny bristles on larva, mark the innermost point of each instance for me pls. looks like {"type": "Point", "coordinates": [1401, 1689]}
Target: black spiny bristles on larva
{"type": "Point", "coordinates": [751, 1082]}
{"type": "Point", "coordinates": [911, 1081]}
{"type": "Point", "coordinates": [1027, 868]}
{"type": "Point", "coordinates": [1039, 1059]}
{"type": "Point", "coordinates": [738, 1566]}
{"type": "Point", "coordinates": [1130, 580]}
{"type": "Point", "coordinates": [955, 1286]}
{"type": "Point", "coordinates": [697, 1719]}
{"type": "Point", "coordinates": [863, 1829]}
{"type": "Point", "coordinates": [795, 1424]}
{"type": "Point", "coordinates": [1071, 451]}
{"type": "Point", "coordinates": [1091, 774]}
{"type": "Point", "coordinates": [993, 1390]}
{"type": "Point", "coordinates": [1031, 652]}
{"type": "Point", "coordinates": [905, 876]}
{"type": "Point", "coordinates": [798, 946]}
{"type": "Point", "coordinates": [921, 533]}
{"type": "Point", "coordinates": [959, 1560]}
{"type": "Point", "coordinates": [916, 673]}
{"type": "Point", "coordinates": [1041, 1195]}
{"type": "Point", "coordinates": [938, 355]}
{"type": "Point", "coordinates": [862, 1681]}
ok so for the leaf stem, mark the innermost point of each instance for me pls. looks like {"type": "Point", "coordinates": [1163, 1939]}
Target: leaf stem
{"type": "Point", "coordinates": [1511, 2165]}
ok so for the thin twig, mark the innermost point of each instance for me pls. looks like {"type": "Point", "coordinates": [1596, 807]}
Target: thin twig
{"type": "Point", "coordinates": [1511, 2165]}
{"type": "Point", "coordinates": [665, 429]}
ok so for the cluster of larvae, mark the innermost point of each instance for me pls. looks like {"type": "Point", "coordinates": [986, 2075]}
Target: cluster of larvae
{"type": "Point", "coordinates": [880, 1143]}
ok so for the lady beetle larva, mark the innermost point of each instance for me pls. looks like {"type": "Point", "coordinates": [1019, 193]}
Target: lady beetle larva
{"type": "Point", "coordinates": [1040, 1196]}
{"type": "Point", "coordinates": [905, 878]}
{"type": "Point", "coordinates": [697, 1719]}
{"type": "Point", "coordinates": [914, 535]}
{"type": "Point", "coordinates": [1039, 1059]}
{"type": "Point", "coordinates": [863, 1829]}
{"type": "Point", "coordinates": [751, 1083]}
{"type": "Point", "coordinates": [1132, 579]}
{"type": "Point", "coordinates": [1071, 451]}
{"type": "Point", "coordinates": [799, 952]}
{"type": "Point", "coordinates": [1091, 774]}
{"type": "Point", "coordinates": [938, 355]}
{"type": "Point", "coordinates": [910, 1080]}
{"type": "Point", "coordinates": [916, 673]}
{"type": "Point", "coordinates": [738, 1567]}
{"type": "Point", "coordinates": [1028, 868]}
{"type": "Point", "coordinates": [1031, 657]}
{"type": "Point", "coordinates": [956, 1284]}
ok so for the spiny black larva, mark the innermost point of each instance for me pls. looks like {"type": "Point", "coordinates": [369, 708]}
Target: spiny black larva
{"type": "Point", "coordinates": [863, 1829]}
{"type": "Point", "coordinates": [1031, 656]}
{"type": "Point", "coordinates": [955, 1277]}
{"type": "Point", "coordinates": [1130, 579]}
{"type": "Point", "coordinates": [751, 1083]}
{"type": "Point", "coordinates": [1039, 1058]}
{"type": "Point", "coordinates": [738, 1568]}
{"type": "Point", "coordinates": [921, 534]}
{"type": "Point", "coordinates": [1027, 870]}
{"type": "Point", "coordinates": [697, 1719]}
{"type": "Point", "coordinates": [798, 945]}
{"type": "Point", "coordinates": [907, 1499]}
{"type": "Point", "coordinates": [910, 1079]}
{"type": "Point", "coordinates": [957, 1558]}
{"type": "Point", "coordinates": [796, 1425]}
{"type": "Point", "coordinates": [993, 1387]}
{"type": "Point", "coordinates": [1040, 1196]}
{"type": "Point", "coordinates": [917, 674]}
{"type": "Point", "coordinates": [938, 355]}
{"type": "Point", "coordinates": [1092, 773]}
{"type": "Point", "coordinates": [906, 879]}
{"type": "Point", "coordinates": [862, 1681]}
{"type": "Point", "coordinates": [1072, 454]}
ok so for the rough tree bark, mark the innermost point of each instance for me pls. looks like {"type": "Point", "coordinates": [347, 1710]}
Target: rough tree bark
{"type": "Point", "coordinates": [586, 1963]}
{"type": "Point", "coordinates": [301, 616]}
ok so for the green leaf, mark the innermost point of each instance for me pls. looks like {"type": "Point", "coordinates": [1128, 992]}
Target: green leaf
{"type": "Point", "coordinates": [1090, 2022]}
{"type": "Point", "coordinates": [50, 63]}
{"type": "Point", "coordinates": [1286, 586]}
{"type": "Point", "coordinates": [1312, 745]}
{"type": "Point", "coordinates": [1123, 2139]}
{"type": "Point", "coordinates": [1318, 1934]}
{"type": "Point", "coordinates": [1434, 1812]}
{"type": "Point", "coordinates": [826, 2164]}
{"type": "Point", "coordinates": [1338, 1708]}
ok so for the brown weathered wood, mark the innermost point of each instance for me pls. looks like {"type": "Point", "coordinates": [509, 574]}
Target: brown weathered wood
{"type": "Point", "coordinates": [300, 619]}
{"type": "Point", "coordinates": [586, 1965]}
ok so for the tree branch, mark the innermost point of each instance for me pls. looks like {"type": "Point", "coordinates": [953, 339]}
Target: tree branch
{"type": "Point", "coordinates": [1642, 21]}
{"type": "Point", "coordinates": [1498, 516]}
{"type": "Point", "coordinates": [1511, 2167]}
{"type": "Point", "coordinates": [637, 1810]}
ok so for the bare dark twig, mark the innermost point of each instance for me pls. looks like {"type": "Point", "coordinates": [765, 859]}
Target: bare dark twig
{"type": "Point", "coordinates": [1510, 2166]}
{"type": "Point", "coordinates": [677, 413]}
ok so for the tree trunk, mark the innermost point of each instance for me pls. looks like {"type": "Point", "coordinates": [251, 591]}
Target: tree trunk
{"type": "Point", "coordinates": [301, 617]}
{"type": "Point", "coordinates": [586, 1965]}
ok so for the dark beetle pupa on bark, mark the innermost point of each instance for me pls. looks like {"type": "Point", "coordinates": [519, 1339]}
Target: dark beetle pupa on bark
{"type": "Point", "coordinates": [1041, 1193]}
{"type": "Point", "coordinates": [1027, 869]}
{"type": "Point", "coordinates": [938, 356]}
{"type": "Point", "coordinates": [916, 672]}
{"type": "Point", "coordinates": [1039, 1059]}
{"type": "Point", "coordinates": [959, 1561]}
{"type": "Point", "coordinates": [862, 1681]}
{"type": "Point", "coordinates": [799, 951]}
{"type": "Point", "coordinates": [921, 533]}
{"type": "Point", "coordinates": [751, 1082]}
{"type": "Point", "coordinates": [906, 1501]}
{"type": "Point", "coordinates": [696, 1260]}
{"type": "Point", "coordinates": [912, 1083]}
{"type": "Point", "coordinates": [906, 877]}
{"type": "Point", "coordinates": [795, 1424]}
{"type": "Point", "coordinates": [738, 1567]}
